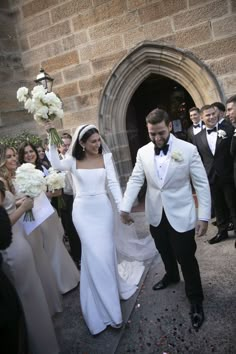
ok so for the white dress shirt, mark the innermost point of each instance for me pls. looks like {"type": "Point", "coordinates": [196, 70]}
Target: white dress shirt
{"type": "Point", "coordinates": [198, 129]}
{"type": "Point", "coordinates": [162, 163]}
{"type": "Point", "coordinates": [211, 139]}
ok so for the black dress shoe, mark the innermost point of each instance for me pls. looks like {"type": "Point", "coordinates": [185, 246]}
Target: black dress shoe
{"type": "Point", "coordinates": [230, 227]}
{"type": "Point", "coordinates": [197, 315]}
{"type": "Point", "coordinates": [220, 236]}
{"type": "Point", "coordinates": [164, 282]}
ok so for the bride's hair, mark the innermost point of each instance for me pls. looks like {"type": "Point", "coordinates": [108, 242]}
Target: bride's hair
{"type": "Point", "coordinates": [77, 152]}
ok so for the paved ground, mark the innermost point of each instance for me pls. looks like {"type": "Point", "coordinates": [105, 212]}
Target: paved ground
{"type": "Point", "coordinates": [158, 322]}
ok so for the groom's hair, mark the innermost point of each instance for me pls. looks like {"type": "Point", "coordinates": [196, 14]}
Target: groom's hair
{"type": "Point", "coordinates": [157, 116]}
{"type": "Point", "coordinates": [231, 99]}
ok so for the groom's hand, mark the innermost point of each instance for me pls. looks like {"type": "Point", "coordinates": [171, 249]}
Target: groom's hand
{"type": "Point", "coordinates": [201, 228]}
{"type": "Point", "coordinates": [126, 218]}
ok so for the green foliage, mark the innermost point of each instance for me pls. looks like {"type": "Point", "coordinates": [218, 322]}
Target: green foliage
{"type": "Point", "coordinates": [17, 140]}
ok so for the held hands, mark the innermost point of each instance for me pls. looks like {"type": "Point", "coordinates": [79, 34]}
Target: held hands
{"type": "Point", "coordinates": [201, 228]}
{"type": "Point", "coordinates": [126, 218]}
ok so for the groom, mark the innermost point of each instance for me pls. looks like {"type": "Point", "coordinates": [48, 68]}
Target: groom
{"type": "Point", "coordinates": [170, 165]}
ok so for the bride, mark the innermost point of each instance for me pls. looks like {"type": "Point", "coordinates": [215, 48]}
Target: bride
{"type": "Point", "coordinates": [101, 287]}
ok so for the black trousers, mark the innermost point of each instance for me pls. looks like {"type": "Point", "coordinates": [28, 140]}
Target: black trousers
{"type": "Point", "coordinates": [179, 247]}
{"type": "Point", "coordinates": [224, 200]}
{"type": "Point", "coordinates": [70, 230]}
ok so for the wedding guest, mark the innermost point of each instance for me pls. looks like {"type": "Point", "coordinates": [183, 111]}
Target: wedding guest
{"type": "Point", "coordinates": [213, 145]}
{"type": "Point", "coordinates": [45, 146]}
{"type": "Point", "coordinates": [13, 337]}
{"type": "Point", "coordinates": [42, 156]}
{"type": "Point", "coordinates": [41, 259]}
{"type": "Point", "coordinates": [197, 126]}
{"type": "Point", "coordinates": [19, 266]}
{"type": "Point", "coordinates": [231, 115]}
{"type": "Point", "coordinates": [220, 113]}
{"type": "Point", "coordinates": [65, 272]}
{"type": "Point", "coordinates": [28, 153]}
{"type": "Point", "coordinates": [169, 166]}
{"type": "Point", "coordinates": [66, 211]}
{"type": "Point", "coordinates": [101, 287]}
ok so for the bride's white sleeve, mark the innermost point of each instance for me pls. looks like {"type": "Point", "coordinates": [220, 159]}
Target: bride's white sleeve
{"type": "Point", "coordinates": [112, 180]}
{"type": "Point", "coordinates": [61, 165]}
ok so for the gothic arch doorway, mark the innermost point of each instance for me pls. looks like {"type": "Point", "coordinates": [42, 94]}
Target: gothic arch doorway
{"type": "Point", "coordinates": [147, 62]}
{"type": "Point", "coordinates": [162, 92]}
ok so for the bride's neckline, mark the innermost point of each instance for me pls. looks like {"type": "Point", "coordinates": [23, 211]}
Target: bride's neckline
{"type": "Point", "coordinates": [91, 169]}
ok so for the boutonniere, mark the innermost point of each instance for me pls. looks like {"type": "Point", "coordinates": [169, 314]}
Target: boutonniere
{"type": "Point", "coordinates": [235, 132]}
{"type": "Point", "coordinates": [177, 156]}
{"type": "Point", "coordinates": [222, 134]}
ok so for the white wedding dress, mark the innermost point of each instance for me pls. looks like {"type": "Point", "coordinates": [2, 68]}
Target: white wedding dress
{"type": "Point", "coordinates": [101, 287]}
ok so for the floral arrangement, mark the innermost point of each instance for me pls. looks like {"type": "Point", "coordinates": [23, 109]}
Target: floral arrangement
{"type": "Point", "coordinates": [31, 182]}
{"type": "Point", "coordinates": [177, 156]}
{"type": "Point", "coordinates": [55, 181]}
{"type": "Point", "coordinates": [45, 106]}
{"type": "Point", "coordinates": [222, 134]}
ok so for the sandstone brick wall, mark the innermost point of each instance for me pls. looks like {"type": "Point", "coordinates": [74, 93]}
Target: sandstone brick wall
{"type": "Point", "coordinates": [79, 42]}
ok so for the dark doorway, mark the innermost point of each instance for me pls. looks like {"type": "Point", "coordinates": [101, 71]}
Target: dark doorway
{"type": "Point", "coordinates": [162, 92]}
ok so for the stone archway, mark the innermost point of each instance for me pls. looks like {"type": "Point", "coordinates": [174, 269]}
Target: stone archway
{"type": "Point", "coordinates": [145, 59]}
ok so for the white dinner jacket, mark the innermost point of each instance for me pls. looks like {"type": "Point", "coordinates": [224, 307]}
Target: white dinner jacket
{"type": "Point", "coordinates": [175, 195]}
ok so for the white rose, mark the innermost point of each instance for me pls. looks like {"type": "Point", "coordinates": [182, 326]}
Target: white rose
{"type": "Point", "coordinates": [52, 99]}
{"type": "Point", "coordinates": [177, 156]}
{"type": "Point", "coordinates": [25, 167]}
{"type": "Point", "coordinates": [38, 92]}
{"type": "Point", "coordinates": [21, 94]}
{"type": "Point", "coordinates": [29, 105]}
{"type": "Point", "coordinates": [58, 113]}
{"type": "Point", "coordinates": [222, 134]}
{"type": "Point", "coordinates": [42, 112]}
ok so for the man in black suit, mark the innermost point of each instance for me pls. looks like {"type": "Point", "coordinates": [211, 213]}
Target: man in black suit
{"type": "Point", "coordinates": [222, 123]}
{"type": "Point", "coordinates": [197, 126]}
{"type": "Point", "coordinates": [213, 145]}
{"type": "Point", "coordinates": [231, 115]}
{"type": "Point", "coordinates": [220, 112]}
{"type": "Point", "coordinates": [66, 211]}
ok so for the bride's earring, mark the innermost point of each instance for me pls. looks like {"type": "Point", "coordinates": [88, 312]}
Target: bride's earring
{"type": "Point", "coordinates": [83, 148]}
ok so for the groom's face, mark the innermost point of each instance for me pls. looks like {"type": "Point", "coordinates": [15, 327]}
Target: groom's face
{"type": "Point", "coordinates": [159, 133]}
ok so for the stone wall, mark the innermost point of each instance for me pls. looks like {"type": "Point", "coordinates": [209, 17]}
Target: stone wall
{"type": "Point", "coordinates": [79, 42]}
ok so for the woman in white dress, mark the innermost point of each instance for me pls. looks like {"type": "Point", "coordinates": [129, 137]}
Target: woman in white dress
{"type": "Point", "coordinates": [65, 272]}
{"type": "Point", "coordinates": [19, 266]}
{"type": "Point", "coordinates": [100, 285]}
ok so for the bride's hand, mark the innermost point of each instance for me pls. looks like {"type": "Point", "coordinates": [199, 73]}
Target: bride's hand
{"type": "Point", "coordinates": [49, 125]}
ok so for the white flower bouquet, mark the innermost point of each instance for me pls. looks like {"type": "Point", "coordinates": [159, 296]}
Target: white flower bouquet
{"type": "Point", "coordinates": [45, 106]}
{"type": "Point", "coordinates": [30, 182]}
{"type": "Point", "coordinates": [55, 181]}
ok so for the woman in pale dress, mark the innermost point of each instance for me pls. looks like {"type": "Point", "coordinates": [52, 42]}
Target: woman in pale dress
{"type": "Point", "coordinates": [19, 266]}
{"type": "Point", "coordinates": [65, 272]}
{"type": "Point", "coordinates": [101, 287]}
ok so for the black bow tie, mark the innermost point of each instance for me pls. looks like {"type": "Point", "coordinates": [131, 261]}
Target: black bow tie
{"type": "Point", "coordinates": [197, 125]}
{"type": "Point", "coordinates": [165, 149]}
{"type": "Point", "coordinates": [209, 131]}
